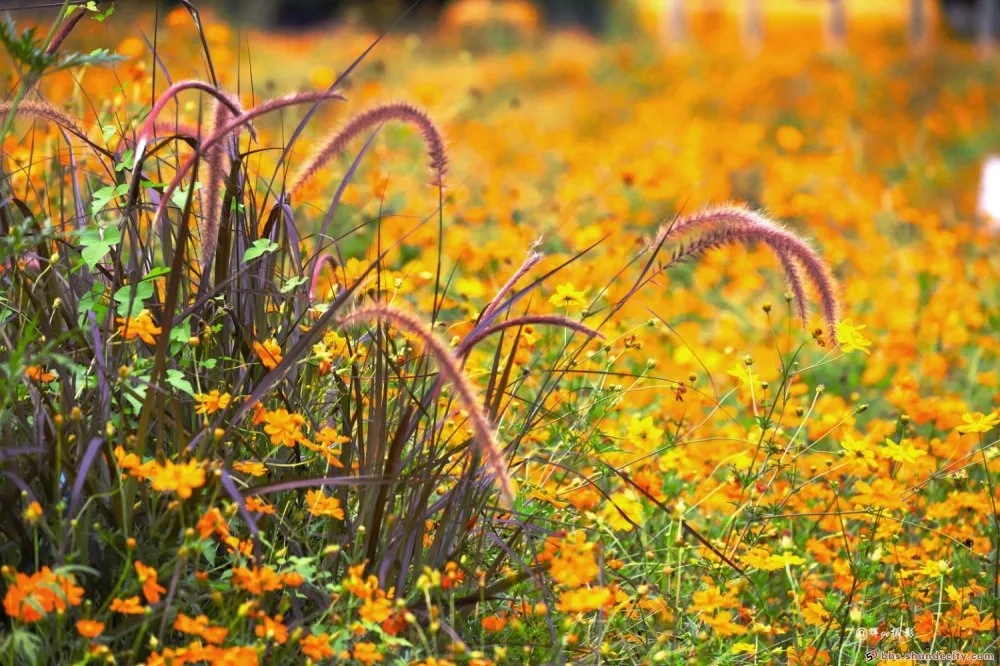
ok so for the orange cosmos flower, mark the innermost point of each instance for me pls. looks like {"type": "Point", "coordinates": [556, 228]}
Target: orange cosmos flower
{"type": "Point", "coordinates": [319, 504]}
{"type": "Point", "coordinates": [284, 428]}
{"type": "Point", "coordinates": [89, 628]}
{"type": "Point", "coordinates": [316, 646]}
{"type": "Point", "coordinates": [366, 653]}
{"type": "Point", "coordinates": [376, 610]}
{"type": "Point", "coordinates": [30, 598]}
{"type": "Point", "coordinates": [211, 522]}
{"type": "Point", "coordinates": [190, 625]}
{"type": "Point", "coordinates": [494, 623]}
{"type": "Point", "coordinates": [199, 626]}
{"type": "Point", "coordinates": [269, 352]}
{"type": "Point", "coordinates": [251, 468]}
{"type": "Point", "coordinates": [256, 581]}
{"type": "Point", "coordinates": [151, 589]}
{"type": "Point", "coordinates": [141, 327]}
{"type": "Point", "coordinates": [575, 565]}
{"type": "Point", "coordinates": [37, 373]}
{"type": "Point", "coordinates": [255, 505]}
{"type": "Point", "coordinates": [130, 606]}
{"type": "Point", "coordinates": [273, 629]}
{"type": "Point", "coordinates": [130, 463]}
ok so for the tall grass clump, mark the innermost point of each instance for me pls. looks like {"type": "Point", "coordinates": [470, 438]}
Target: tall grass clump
{"type": "Point", "coordinates": [218, 445]}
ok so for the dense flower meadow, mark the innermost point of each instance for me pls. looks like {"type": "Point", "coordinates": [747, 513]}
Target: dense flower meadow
{"type": "Point", "coordinates": [498, 346]}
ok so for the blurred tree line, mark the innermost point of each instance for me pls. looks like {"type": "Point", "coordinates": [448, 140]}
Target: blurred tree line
{"type": "Point", "coordinates": [590, 14]}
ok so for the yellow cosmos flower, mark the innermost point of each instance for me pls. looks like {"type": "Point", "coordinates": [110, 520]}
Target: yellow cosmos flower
{"type": "Point", "coordinates": [583, 600]}
{"type": "Point", "coordinates": [859, 451]}
{"type": "Point", "coordinates": [211, 402]}
{"type": "Point", "coordinates": [567, 296]}
{"type": "Point", "coordinates": [643, 433]}
{"type": "Point", "coordinates": [624, 511]}
{"type": "Point", "coordinates": [978, 422]}
{"type": "Point", "coordinates": [182, 479]}
{"type": "Point", "coordinates": [850, 338]}
{"type": "Point", "coordinates": [904, 452]}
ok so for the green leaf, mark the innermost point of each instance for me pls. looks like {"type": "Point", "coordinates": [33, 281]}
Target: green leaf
{"type": "Point", "coordinates": [105, 195]}
{"type": "Point", "coordinates": [93, 301]}
{"type": "Point", "coordinates": [97, 243]}
{"type": "Point", "coordinates": [181, 332]}
{"type": "Point", "coordinates": [137, 395]}
{"type": "Point", "coordinates": [100, 16]}
{"type": "Point", "coordinates": [23, 643]}
{"type": "Point", "coordinates": [260, 247]}
{"type": "Point", "coordinates": [304, 566]}
{"type": "Point", "coordinates": [128, 161]}
{"type": "Point", "coordinates": [123, 297]}
{"type": "Point", "coordinates": [180, 196]}
{"type": "Point", "coordinates": [293, 284]}
{"type": "Point", "coordinates": [176, 379]}
{"type": "Point", "coordinates": [96, 58]}
{"type": "Point", "coordinates": [159, 271]}
{"type": "Point", "coordinates": [23, 48]}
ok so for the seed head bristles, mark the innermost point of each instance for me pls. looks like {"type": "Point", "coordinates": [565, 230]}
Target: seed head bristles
{"type": "Point", "coordinates": [35, 109]}
{"type": "Point", "coordinates": [485, 436]}
{"type": "Point", "coordinates": [167, 129]}
{"type": "Point", "coordinates": [221, 133]}
{"type": "Point", "coordinates": [162, 129]}
{"type": "Point", "coordinates": [148, 128]}
{"type": "Point", "coordinates": [529, 263]}
{"type": "Point", "coordinates": [374, 117]}
{"type": "Point", "coordinates": [746, 226]}
{"type": "Point", "coordinates": [466, 345]}
{"type": "Point", "coordinates": [219, 161]}
{"type": "Point", "coordinates": [324, 259]}
{"type": "Point", "coordinates": [798, 288]}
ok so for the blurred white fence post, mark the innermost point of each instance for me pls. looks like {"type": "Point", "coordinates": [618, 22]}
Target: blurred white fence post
{"type": "Point", "coordinates": [675, 23]}
{"type": "Point", "coordinates": [986, 15]}
{"type": "Point", "coordinates": [988, 206]}
{"type": "Point", "coordinates": [837, 29]}
{"type": "Point", "coordinates": [753, 26]}
{"type": "Point", "coordinates": [918, 25]}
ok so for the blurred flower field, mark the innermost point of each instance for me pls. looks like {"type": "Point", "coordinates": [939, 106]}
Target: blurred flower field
{"type": "Point", "coordinates": [506, 372]}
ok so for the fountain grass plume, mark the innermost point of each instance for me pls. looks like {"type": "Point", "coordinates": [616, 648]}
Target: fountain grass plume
{"type": "Point", "coordinates": [220, 161]}
{"type": "Point", "coordinates": [737, 224]}
{"type": "Point", "coordinates": [219, 134]}
{"type": "Point", "coordinates": [37, 109]}
{"type": "Point", "coordinates": [529, 262]}
{"type": "Point", "coordinates": [484, 433]}
{"type": "Point", "coordinates": [221, 97]}
{"type": "Point", "coordinates": [474, 338]}
{"type": "Point", "coordinates": [373, 117]}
